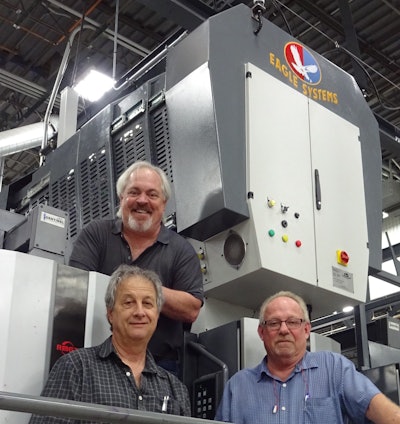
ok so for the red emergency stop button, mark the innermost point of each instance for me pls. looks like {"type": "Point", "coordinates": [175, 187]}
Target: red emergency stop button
{"type": "Point", "coordinates": [342, 257]}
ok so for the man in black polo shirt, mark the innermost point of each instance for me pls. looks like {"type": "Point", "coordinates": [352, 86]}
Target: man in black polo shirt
{"type": "Point", "coordinates": [138, 237]}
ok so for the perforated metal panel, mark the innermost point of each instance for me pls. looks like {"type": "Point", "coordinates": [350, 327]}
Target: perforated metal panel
{"type": "Point", "coordinates": [160, 139]}
{"type": "Point", "coordinates": [63, 196]}
{"type": "Point", "coordinates": [129, 146]}
{"type": "Point", "coordinates": [41, 199]}
{"type": "Point", "coordinates": [95, 188]}
{"type": "Point", "coordinates": [36, 191]}
{"type": "Point", "coordinates": [143, 134]}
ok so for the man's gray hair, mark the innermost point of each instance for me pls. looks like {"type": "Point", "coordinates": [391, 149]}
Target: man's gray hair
{"type": "Point", "coordinates": [123, 179]}
{"type": "Point", "coordinates": [124, 272]}
{"type": "Point", "coordinates": [289, 294]}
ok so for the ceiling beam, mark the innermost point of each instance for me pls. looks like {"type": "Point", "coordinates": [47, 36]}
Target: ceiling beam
{"type": "Point", "coordinates": [365, 47]}
{"type": "Point", "coordinates": [188, 14]}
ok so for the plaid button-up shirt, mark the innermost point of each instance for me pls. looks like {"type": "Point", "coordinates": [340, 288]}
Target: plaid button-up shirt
{"type": "Point", "coordinates": [97, 375]}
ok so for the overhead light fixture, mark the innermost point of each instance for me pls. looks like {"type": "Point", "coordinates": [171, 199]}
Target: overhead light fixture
{"type": "Point", "coordinates": [384, 214]}
{"type": "Point", "coordinates": [94, 85]}
{"type": "Point", "coordinates": [347, 309]}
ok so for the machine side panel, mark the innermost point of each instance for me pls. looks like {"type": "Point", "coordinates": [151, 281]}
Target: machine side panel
{"type": "Point", "coordinates": [70, 300]}
{"type": "Point", "coordinates": [279, 164]}
{"type": "Point", "coordinates": [97, 328]}
{"type": "Point", "coordinates": [251, 347]}
{"type": "Point", "coordinates": [197, 160]}
{"type": "Point", "coordinates": [341, 224]}
{"type": "Point", "coordinates": [26, 298]}
{"type": "Point", "coordinates": [224, 343]}
{"type": "Point", "coordinates": [281, 237]}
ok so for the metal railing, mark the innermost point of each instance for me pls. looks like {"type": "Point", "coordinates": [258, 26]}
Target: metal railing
{"type": "Point", "coordinates": [87, 411]}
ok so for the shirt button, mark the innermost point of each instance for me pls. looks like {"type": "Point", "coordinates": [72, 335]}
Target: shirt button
{"type": "Point", "coordinates": [128, 374]}
{"type": "Point", "coordinates": [284, 385]}
{"type": "Point", "coordinates": [140, 397]}
{"type": "Point", "coordinates": [283, 408]}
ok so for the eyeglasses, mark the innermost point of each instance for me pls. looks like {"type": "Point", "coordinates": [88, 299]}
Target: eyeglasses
{"type": "Point", "coordinates": [291, 323]}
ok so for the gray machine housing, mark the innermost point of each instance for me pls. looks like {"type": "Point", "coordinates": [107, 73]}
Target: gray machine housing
{"type": "Point", "coordinates": [205, 90]}
{"type": "Point", "coordinates": [43, 232]}
{"type": "Point", "coordinates": [193, 122]}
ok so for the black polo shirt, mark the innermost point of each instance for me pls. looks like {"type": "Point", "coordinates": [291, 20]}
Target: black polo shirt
{"type": "Point", "coordinates": [101, 247]}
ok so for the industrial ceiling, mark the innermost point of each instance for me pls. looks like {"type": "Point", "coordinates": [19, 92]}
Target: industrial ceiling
{"type": "Point", "coordinates": [122, 37]}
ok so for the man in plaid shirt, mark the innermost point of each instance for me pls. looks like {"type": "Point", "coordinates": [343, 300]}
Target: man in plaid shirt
{"type": "Point", "coordinates": [121, 371]}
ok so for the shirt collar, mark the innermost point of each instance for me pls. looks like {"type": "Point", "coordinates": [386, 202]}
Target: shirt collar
{"type": "Point", "coordinates": [117, 226]}
{"type": "Point", "coordinates": [107, 350]}
{"type": "Point", "coordinates": [308, 361]}
{"type": "Point", "coordinates": [163, 235]}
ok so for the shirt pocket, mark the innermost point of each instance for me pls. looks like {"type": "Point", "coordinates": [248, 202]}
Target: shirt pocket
{"type": "Point", "coordinates": [322, 410]}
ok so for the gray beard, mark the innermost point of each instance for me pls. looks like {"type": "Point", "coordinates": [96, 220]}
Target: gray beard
{"type": "Point", "coordinates": [139, 227]}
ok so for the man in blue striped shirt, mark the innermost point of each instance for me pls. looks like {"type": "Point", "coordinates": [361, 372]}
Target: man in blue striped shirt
{"type": "Point", "coordinates": [292, 385]}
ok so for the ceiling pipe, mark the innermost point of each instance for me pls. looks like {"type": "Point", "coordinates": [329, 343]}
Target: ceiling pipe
{"type": "Point", "coordinates": [21, 85]}
{"type": "Point", "coordinates": [2, 162]}
{"type": "Point", "coordinates": [26, 137]}
{"type": "Point", "coordinates": [79, 21]}
{"type": "Point", "coordinates": [114, 69]}
{"type": "Point", "coordinates": [59, 77]}
{"type": "Point", "coordinates": [57, 83]}
{"type": "Point", "coordinates": [19, 27]}
{"type": "Point", "coordinates": [122, 41]}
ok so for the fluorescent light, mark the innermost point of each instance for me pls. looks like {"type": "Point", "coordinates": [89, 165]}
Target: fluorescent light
{"type": "Point", "coordinates": [347, 308]}
{"type": "Point", "coordinates": [94, 85]}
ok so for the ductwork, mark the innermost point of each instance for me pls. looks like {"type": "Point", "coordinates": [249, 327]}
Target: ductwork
{"type": "Point", "coordinates": [24, 138]}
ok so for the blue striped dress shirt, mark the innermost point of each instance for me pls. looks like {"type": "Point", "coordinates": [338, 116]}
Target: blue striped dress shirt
{"type": "Point", "coordinates": [324, 388]}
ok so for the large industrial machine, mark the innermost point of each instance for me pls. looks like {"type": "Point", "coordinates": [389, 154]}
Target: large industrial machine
{"type": "Point", "coordinates": [274, 159]}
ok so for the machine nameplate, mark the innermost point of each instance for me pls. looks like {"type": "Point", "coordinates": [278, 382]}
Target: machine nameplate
{"type": "Point", "coordinates": [49, 218]}
{"type": "Point", "coordinates": [343, 279]}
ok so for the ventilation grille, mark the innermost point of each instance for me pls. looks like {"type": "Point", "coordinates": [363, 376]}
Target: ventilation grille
{"type": "Point", "coordinates": [40, 200]}
{"type": "Point", "coordinates": [129, 147]}
{"type": "Point", "coordinates": [95, 192]}
{"type": "Point", "coordinates": [63, 197]}
{"type": "Point", "coordinates": [37, 193]}
{"type": "Point", "coordinates": [28, 204]}
{"type": "Point", "coordinates": [161, 141]}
